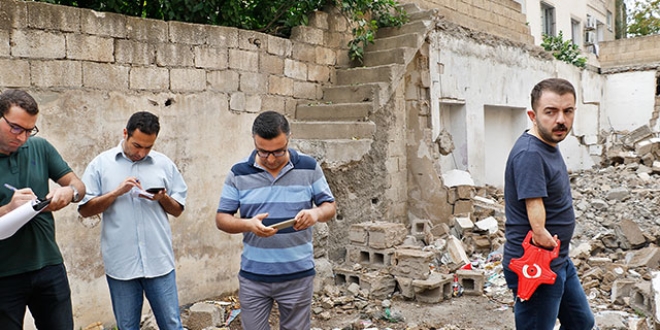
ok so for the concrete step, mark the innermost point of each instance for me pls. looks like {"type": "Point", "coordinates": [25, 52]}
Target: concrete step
{"type": "Point", "coordinates": [330, 130]}
{"type": "Point", "coordinates": [333, 153]}
{"type": "Point", "coordinates": [401, 55]}
{"type": "Point", "coordinates": [422, 15]}
{"type": "Point", "coordinates": [362, 75]}
{"type": "Point", "coordinates": [411, 7]}
{"type": "Point", "coordinates": [412, 27]}
{"type": "Point", "coordinates": [334, 112]}
{"type": "Point", "coordinates": [411, 40]}
{"type": "Point", "coordinates": [371, 92]}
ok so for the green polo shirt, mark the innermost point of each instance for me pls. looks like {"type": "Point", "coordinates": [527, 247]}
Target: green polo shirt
{"type": "Point", "coordinates": [33, 246]}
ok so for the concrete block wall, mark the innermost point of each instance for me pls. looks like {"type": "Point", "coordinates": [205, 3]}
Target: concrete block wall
{"type": "Point", "coordinates": [90, 70]}
{"type": "Point", "coordinates": [503, 18]}
{"type": "Point", "coordinates": [49, 46]}
{"type": "Point", "coordinates": [640, 51]}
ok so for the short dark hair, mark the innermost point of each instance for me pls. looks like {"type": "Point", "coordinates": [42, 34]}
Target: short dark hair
{"type": "Point", "coordinates": [270, 124]}
{"type": "Point", "coordinates": [145, 121]}
{"type": "Point", "coordinates": [557, 85]}
{"type": "Point", "coordinates": [19, 98]}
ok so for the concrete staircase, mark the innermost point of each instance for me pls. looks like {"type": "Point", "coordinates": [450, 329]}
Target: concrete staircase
{"type": "Point", "coordinates": [337, 130]}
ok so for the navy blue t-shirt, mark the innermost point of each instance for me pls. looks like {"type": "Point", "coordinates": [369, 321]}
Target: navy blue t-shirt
{"type": "Point", "coordinates": [535, 169]}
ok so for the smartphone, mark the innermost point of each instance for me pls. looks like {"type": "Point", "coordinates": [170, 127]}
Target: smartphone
{"type": "Point", "coordinates": [155, 190]}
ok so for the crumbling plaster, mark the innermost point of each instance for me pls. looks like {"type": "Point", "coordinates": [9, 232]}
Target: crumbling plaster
{"type": "Point", "coordinates": [628, 98]}
{"type": "Point", "coordinates": [491, 82]}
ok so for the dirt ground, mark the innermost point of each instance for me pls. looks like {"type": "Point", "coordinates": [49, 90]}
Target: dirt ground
{"type": "Point", "coordinates": [464, 313]}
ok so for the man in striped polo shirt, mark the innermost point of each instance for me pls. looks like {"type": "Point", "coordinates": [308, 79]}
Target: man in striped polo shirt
{"type": "Point", "coordinates": [272, 185]}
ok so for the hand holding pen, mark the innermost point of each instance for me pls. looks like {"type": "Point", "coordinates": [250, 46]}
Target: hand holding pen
{"type": "Point", "coordinates": [20, 196]}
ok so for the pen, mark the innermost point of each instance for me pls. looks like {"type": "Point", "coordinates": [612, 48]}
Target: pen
{"type": "Point", "coordinates": [10, 187]}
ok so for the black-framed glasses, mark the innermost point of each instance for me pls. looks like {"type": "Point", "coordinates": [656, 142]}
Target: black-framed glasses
{"type": "Point", "coordinates": [276, 153]}
{"type": "Point", "coordinates": [17, 129]}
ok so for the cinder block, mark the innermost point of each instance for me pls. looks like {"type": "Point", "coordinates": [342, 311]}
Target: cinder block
{"type": "Point", "coordinates": [386, 234]}
{"type": "Point", "coordinates": [378, 285]}
{"type": "Point", "coordinates": [434, 289]}
{"type": "Point", "coordinates": [463, 207]}
{"type": "Point", "coordinates": [179, 55]}
{"type": "Point", "coordinates": [419, 227]}
{"type": "Point", "coordinates": [463, 225]}
{"type": "Point", "coordinates": [456, 252]}
{"type": "Point", "coordinates": [280, 85]}
{"type": "Point", "coordinates": [621, 289]}
{"type": "Point", "coordinates": [464, 191]}
{"type": "Point", "coordinates": [187, 80]}
{"type": "Point", "coordinates": [90, 48]}
{"type": "Point", "coordinates": [369, 258]}
{"type": "Point", "coordinates": [211, 57]}
{"type": "Point", "coordinates": [358, 233]}
{"type": "Point", "coordinates": [345, 276]}
{"type": "Point", "coordinates": [412, 263]}
{"type": "Point", "coordinates": [472, 281]}
{"type": "Point", "coordinates": [641, 298]}
{"type": "Point", "coordinates": [205, 315]}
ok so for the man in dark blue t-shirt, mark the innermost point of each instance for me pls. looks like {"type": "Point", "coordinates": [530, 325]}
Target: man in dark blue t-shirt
{"type": "Point", "coordinates": [537, 193]}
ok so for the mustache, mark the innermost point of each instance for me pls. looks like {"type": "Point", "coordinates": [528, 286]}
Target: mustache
{"type": "Point", "coordinates": [560, 127]}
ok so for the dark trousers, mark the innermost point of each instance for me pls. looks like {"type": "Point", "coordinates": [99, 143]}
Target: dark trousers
{"type": "Point", "coordinates": [45, 291]}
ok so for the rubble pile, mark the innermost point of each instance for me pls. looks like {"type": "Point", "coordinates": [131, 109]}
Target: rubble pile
{"type": "Point", "coordinates": [615, 249]}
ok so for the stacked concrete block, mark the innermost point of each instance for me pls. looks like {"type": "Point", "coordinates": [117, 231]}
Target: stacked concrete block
{"type": "Point", "coordinates": [369, 257]}
{"type": "Point", "coordinates": [372, 247]}
{"type": "Point", "coordinates": [472, 281]}
{"type": "Point", "coordinates": [436, 288]}
{"type": "Point", "coordinates": [461, 198]}
{"type": "Point", "coordinates": [412, 263]}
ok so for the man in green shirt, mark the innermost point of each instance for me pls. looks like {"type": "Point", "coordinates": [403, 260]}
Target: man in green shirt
{"type": "Point", "coordinates": [32, 271]}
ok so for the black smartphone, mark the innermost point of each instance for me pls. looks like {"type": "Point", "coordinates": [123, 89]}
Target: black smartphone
{"type": "Point", "coordinates": [154, 190]}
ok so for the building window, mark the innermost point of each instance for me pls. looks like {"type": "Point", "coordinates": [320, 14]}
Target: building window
{"type": "Point", "coordinates": [609, 20]}
{"type": "Point", "coordinates": [547, 19]}
{"type": "Point", "coordinates": [576, 32]}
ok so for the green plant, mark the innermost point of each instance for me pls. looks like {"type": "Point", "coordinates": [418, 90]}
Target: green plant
{"type": "Point", "coordinates": [368, 16]}
{"type": "Point", "coordinates": [564, 50]}
{"type": "Point", "coordinates": [275, 17]}
{"type": "Point", "coordinates": [644, 18]}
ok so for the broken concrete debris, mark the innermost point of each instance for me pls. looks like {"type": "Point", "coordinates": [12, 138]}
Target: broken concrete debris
{"type": "Point", "coordinates": [615, 249]}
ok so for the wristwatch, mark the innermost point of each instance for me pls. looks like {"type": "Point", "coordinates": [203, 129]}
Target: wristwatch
{"type": "Point", "coordinates": [76, 194]}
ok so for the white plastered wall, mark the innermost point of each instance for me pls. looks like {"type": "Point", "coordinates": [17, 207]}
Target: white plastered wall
{"type": "Point", "coordinates": [490, 86]}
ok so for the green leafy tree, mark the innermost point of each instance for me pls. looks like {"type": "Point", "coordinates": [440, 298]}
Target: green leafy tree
{"type": "Point", "coordinates": [564, 50]}
{"type": "Point", "coordinates": [644, 18]}
{"type": "Point", "coordinates": [275, 17]}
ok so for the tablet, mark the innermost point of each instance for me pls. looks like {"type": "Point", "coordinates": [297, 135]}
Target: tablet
{"type": "Point", "coordinates": [283, 224]}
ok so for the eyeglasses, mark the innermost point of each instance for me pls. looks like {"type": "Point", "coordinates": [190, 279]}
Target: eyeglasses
{"type": "Point", "coordinates": [276, 153]}
{"type": "Point", "coordinates": [17, 129]}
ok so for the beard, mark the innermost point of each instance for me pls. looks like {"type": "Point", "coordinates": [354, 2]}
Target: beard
{"type": "Point", "coordinates": [548, 135]}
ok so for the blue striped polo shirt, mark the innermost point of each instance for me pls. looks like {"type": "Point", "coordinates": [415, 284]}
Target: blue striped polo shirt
{"type": "Point", "coordinates": [250, 190]}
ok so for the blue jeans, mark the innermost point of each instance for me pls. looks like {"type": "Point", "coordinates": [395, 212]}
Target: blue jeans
{"type": "Point", "coordinates": [45, 291]}
{"type": "Point", "coordinates": [565, 300]}
{"type": "Point", "coordinates": [127, 298]}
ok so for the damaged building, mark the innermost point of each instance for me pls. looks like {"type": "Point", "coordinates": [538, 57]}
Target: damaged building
{"type": "Point", "coordinates": [413, 142]}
